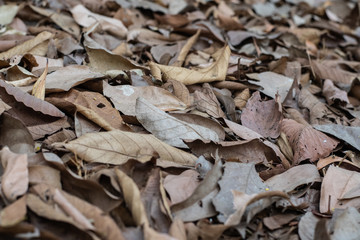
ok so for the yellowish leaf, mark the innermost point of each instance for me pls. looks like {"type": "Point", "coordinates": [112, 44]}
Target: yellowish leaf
{"type": "Point", "coordinates": [215, 72]}
{"type": "Point", "coordinates": [38, 90]}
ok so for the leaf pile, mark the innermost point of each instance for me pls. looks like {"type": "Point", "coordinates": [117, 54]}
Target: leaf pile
{"type": "Point", "coordinates": [126, 119]}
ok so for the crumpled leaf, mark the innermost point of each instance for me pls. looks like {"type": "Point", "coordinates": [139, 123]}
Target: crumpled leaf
{"type": "Point", "coordinates": [215, 72]}
{"type": "Point", "coordinates": [266, 113]}
{"type": "Point", "coordinates": [333, 94]}
{"type": "Point", "coordinates": [206, 101]}
{"type": "Point", "coordinates": [15, 180]}
{"type": "Point", "coordinates": [336, 184]}
{"type": "Point", "coordinates": [169, 129]}
{"type": "Point", "coordinates": [307, 142]}
{"type": "Point", "coordinates": [117, 147]}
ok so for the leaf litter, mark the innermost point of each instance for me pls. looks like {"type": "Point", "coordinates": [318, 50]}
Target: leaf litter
{"type": "Point", "coordinates": [179, 119]}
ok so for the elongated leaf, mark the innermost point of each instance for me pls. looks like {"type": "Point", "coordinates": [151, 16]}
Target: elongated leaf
{"type": "Point", "coordinates": [117, 147]}
{"type": "Point", "coordinates": [170, 129]}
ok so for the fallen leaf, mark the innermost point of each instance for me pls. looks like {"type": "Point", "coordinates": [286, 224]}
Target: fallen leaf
{"type": "Point", "coordinates": [15, 180]}
{"type": "Point", "coordinates": [307, 142]}
{"type": "Point", "coordinates": [124, 98]}
{"type": "Point", "coordinates": [336, 184]}
{"type": "Point", "coordinates": [26, 46]}
{"type": "Point", "coordinates": [14, 213]}
{"type": "Point", "coordinates": [267, 115]}
{"type": "Point", "coordinates": [38, 90]}
{"type": "Point", "coordinates": [117, 147]}
{"type": "Point", "coordinates": [169, 129]}
{"type": "Point", "coordinates": [272, 83]}
{"type": "Point", "coordinates": [240, 177]}
{"type": "Point", "coordinates": [333, 94]}
{"type": "Point", "coordinates": [215, 72]}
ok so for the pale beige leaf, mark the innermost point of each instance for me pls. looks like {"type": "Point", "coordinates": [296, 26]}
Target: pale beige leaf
{"type": "Point", "coordinates": [215, 72]}
{"type": "Point", "coordinates": [170, 129]}
{"type": "Point", "coordinates": [15, 179]}
{"type": "Point", "coordinates": [86, 18]}
{"type": "Point", "coordinates": [124, 98]}
{"type": "Point", "coordinates": [117, 147]}
{"type": "Point", "coordinates": [26, 46]}
{"type": "Point", "coordinates": [186, 48]}
{"type": "Point", "coordinates": [7, 13]}
{"type": "Point", "coordinates": [132, 198]}
{"type": "Point", "coordinates": [71, 211]}
{"type": "Point", "coordinates": [3, 106]}
{"type": "Point", "coordinates": [38, 90]}
{"type": "Point", "coordinates": [241, 98]}
{"type": "Point", "coordinates": [13, 213]}
{"type": "Point", "coordinates": [336, 184]}
{"type": "Point", "coordinates": [94, 117]}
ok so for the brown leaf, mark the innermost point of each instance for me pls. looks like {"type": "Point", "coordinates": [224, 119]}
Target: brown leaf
{"type": "Point", "coordinates": [185, 50]}
{"type": "Point", "coordinates": [169, 129]}
{"type": "Point", "coordinates": [31, 102]}
{"type": "Point", "coordinates": [206, 101]}
{"type": "Point", "coordinates": [15, 180]}
{"type": "Point", "coordinates": [180, 187]}
{"type": "Point", "coordinates": [215, 72]}
{"type": "Point", "coordinates": [262, 117]}
{"type": "Point", "coordinates": [336, 185]}
{"type": "Point", "coordinates": [15, 135]}
{"type": "Point", "coordinates": [68, 77]}
{"type": "Point", "coordinates": [39, 131]}
{"type": "Point", "coordinates": [117, 147]}
{"type": "Point", "coordinates": [179, 90]}
{"type": "Point", "coordinates": [241, 98]}
{"type": "Point", "coordinates": [306, 142]}
{"type": "Point", "coordinates": [333, 94]}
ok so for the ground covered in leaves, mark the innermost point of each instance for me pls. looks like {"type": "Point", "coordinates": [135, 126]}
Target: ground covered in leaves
{"type": "Point", "coordinates": [203, 119]}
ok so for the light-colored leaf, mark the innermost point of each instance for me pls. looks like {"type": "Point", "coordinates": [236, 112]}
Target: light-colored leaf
{"type": "Point", "coordinates": [272, 83]}
{"type": "Point", "coordinates": [15, 179]}
{"type": "Point", "coordinates": [186, 48]}
{"type": "Point", "coordinates": [336, 184]}
{"type": "Point", "coordinates": [38, 90]}
{"type": "Point", "coordinates": [170, 129]}
{"type": "Point", "coordinates": [7, 13]}
{"type": "Point", "coordinates": [14, 213]}
{"type": "Point", "coordinates": [117, 147]}
{"type": "Point", "coordinates": [215, 72]}
{"type": "Point", "coordinates": [26, 46]}
{"type": "Point", "coordinates": [124, 98]}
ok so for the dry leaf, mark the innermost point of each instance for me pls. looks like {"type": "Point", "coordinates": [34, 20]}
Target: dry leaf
{"type": "Point", "coordinates": [215, 72]}
{"type": "Point", "coordinates": [267, 115]}
{"type": "Point", "coordinates": [14, 213]}
{"type": "Point", "coordinates": [117, 147]}
{"type": "Point", "coordinates": [333, 94]}
{"type": "Point", "coordinates": [306, 142]}
{"type": "Point", "coordinates": [26, 46]}
{"type": "Point", "coordinates": [337, 183]}
{"type": "Point", "coordinates": [185, 50]}
{"type": "Point", "coordinates": [38, 90]}
{"type": "Point", "coordinates": [15, 180]}
{"type": "Point", "coordinates": [169, 129]}
{"type": "Point", "coordinates": [124, 98]}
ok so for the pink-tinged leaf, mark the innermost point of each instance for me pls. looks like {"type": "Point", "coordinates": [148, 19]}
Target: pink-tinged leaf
{"type": "Point", "coordinates": [307, 142]}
